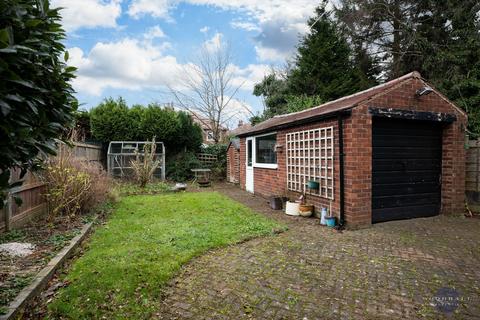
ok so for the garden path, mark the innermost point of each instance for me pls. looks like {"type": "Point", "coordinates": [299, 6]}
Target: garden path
{"type": "Point", "coordinates": [392, 270]}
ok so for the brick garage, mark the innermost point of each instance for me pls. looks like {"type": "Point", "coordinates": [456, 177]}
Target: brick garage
{"type": "Point", "coordinates": [403, 154]}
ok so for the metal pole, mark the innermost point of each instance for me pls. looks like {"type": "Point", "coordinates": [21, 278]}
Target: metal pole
{"type": "Point", "coordinates": [163, 161]}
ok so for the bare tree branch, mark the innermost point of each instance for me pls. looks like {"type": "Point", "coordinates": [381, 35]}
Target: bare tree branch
{"type": "Point", "coordinates": [208, 89]}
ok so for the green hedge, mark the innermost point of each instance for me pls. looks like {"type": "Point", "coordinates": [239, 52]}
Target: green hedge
{"type": "Point", "coordinates": [114, 120]}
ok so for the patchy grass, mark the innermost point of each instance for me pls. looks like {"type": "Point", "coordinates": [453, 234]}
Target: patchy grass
{"type": "Point", "coordinates": [144, 243]}
{"type": "Point", "coordinates": [130, 188]}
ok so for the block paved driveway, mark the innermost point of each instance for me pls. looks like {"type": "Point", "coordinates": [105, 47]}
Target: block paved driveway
{"type": "Point", "coordinates": [390, 271]}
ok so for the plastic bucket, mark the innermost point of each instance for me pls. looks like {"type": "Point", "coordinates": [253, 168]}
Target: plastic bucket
{"type": "Point", "coordinates": [331, 221]}
{"type": "Point", "coordinates": [323, 215]}
{"type": "Point", "coordinates": [276, 203]}
{"type": "Point", "coordinates": [292, 208]}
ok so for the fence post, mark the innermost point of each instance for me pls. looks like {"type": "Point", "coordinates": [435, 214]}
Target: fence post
{"type": "Point", "coordinates": [8, 211]}
{"type": "Point", "coordinates": [163, 164]}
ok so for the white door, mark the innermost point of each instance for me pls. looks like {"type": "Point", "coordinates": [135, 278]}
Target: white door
{"type": "Point", "coordinates": [249, 164]}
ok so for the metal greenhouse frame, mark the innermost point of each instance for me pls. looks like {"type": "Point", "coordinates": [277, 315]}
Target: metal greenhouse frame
{"type": "Point", "coordinates": [121, 153]}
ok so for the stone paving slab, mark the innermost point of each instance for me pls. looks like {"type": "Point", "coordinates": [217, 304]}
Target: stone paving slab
{"type": "Point", "coordinates": [390, 271]}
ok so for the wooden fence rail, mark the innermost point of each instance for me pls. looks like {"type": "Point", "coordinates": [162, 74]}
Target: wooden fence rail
{"type": "Point", "coordinates": [472, 174]}
{"type": "Point", "coordinates": [32, 190]}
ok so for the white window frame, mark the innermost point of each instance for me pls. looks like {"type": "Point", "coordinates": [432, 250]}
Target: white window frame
{"type": "Point", "coordinates": [254, 153]}
{"type": "Point", "coordinates": [311, 157]}
{"type": "Point", "coordinates": [208, 132]}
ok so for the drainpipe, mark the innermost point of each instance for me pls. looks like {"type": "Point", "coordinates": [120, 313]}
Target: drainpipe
{"type": "Point", "coordinates": [341, 223]}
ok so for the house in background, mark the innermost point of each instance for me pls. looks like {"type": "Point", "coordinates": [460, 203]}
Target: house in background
{"type": "Point", "coordinates": [394, 151]}
{"type": "Point", "coordinates": [207, 132]}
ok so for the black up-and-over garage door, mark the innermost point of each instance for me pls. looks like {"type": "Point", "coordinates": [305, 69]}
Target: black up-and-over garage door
{"type": "Point", "coordinates": [406, 171]}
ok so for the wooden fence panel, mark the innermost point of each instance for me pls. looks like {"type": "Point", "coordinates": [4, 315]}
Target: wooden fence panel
{"type": "Point", "coordinates": [32, 191]}
{"type": "Point", "coordinates": [89, 152]}
{"type": "Point", "coordinates": [472, 176]}
{"type": "Point", "coordinates": [31, 194]}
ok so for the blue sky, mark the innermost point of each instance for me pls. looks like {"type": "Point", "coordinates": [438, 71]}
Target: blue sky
{"type": "Point", "coordinates": [138, 48]}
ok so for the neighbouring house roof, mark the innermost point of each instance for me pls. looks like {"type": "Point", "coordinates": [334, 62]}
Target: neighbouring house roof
{"type": "Point", "coordinates": [239, 130]}
{"type": "Point", "coordinates": [204, 122]}
{"type": "Point", "coordinates": [234, 143]}
{"type": "Point", "coordinates": [330, 108]}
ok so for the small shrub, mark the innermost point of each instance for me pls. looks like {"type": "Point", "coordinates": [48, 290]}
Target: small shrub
{"type": "Point", "coordinates": [145, 164]}
{"type": "Point", "coordinates": [179, 167]}
{"type": "Point", "coordinates": [73, 185]}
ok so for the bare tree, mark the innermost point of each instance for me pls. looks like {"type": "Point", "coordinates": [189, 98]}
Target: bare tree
{"type": "Point", "coordinates": [207, 87]}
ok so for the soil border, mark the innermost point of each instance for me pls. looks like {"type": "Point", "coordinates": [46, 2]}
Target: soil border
{"type": "Point", "coordinates": [45, 275]}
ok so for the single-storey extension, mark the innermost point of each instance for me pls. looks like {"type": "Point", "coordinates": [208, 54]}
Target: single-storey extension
{"type": "Point", "coordinates": [394, 151]}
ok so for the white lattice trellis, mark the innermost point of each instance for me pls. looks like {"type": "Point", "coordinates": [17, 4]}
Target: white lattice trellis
{"type": "Point", "coordinates": [310, 157]}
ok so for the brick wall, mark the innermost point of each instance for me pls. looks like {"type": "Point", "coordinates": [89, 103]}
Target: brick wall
{"type": "Point", "coordinates": [358, 156]}
{"type": "Point", "coordinates": [269, 182]}
{"type": "Point", "coordinates": [233, 165]}
{"type": "Point", "coordinates": [358, 151]}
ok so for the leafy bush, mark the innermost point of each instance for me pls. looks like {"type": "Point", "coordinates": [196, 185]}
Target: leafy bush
{"type": "Point", "coordinates": [73, 185]}
{"type": "Point", "coordinates": [145, 164]}
{"type": "Point", "coordinates": [160, 122]}
{"type": "Point", "coordinates": [36, 98]}
{"type": "Point", "coordinates": [179, 166]}
{"type": "Point", "coordinates": [190, 136]}
{"type": "Point", "coordinates": [111, 121]}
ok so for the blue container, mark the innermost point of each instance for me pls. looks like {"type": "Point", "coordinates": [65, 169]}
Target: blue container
{"type": "Point", "coordinates": [331, 221]}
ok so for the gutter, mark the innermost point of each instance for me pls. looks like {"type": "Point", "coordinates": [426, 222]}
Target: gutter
{"type": "Point", "coordinates": [300, 122]}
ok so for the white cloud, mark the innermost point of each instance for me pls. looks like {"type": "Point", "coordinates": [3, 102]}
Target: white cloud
{"type": "Point", "coordinates": [88, 13]}
{"type": "Point", "coordinates": [215, 43]}
{"type": "Point", "coordinates": [135, 65]}
{"type": "Point", "coordinates": [250, 75]}
{"type": "Point", "coordinates": [127, 64]}
{"type": "Point", "coordinates": [279, 22]}
{"type": "Point", "coordinates": [245, 25]}
{"type": "Point", "coordinates": [237, 110]}
{"type": "Point", "coordinates": [204, 29]}
{"type": "Point", "coordinates": [155, 8]}
{"type": "Point", "coordinates": [154, 33]}
{"type": "Point", "coordinates": [270, 54]}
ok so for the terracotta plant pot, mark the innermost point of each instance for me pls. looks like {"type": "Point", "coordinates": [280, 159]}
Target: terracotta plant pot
{"type": "Point", "coordinates": [306, 210]}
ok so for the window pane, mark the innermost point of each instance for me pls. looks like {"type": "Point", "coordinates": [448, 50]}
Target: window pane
{"type": "Point", "coordinates": [249, 153]}
{"type": "Point", "coordinates": [265, 149]}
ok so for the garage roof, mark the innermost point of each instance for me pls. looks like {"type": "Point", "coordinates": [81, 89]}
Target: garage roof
{"type": "Point", "coordinates": [325, 109]}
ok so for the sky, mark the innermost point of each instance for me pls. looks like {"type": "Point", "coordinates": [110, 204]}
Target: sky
{"type": "Point", "coordinates": [137, 49]}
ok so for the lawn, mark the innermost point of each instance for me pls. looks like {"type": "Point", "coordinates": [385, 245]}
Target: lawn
{"type": "Point", "coordinates": [144, 243]}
